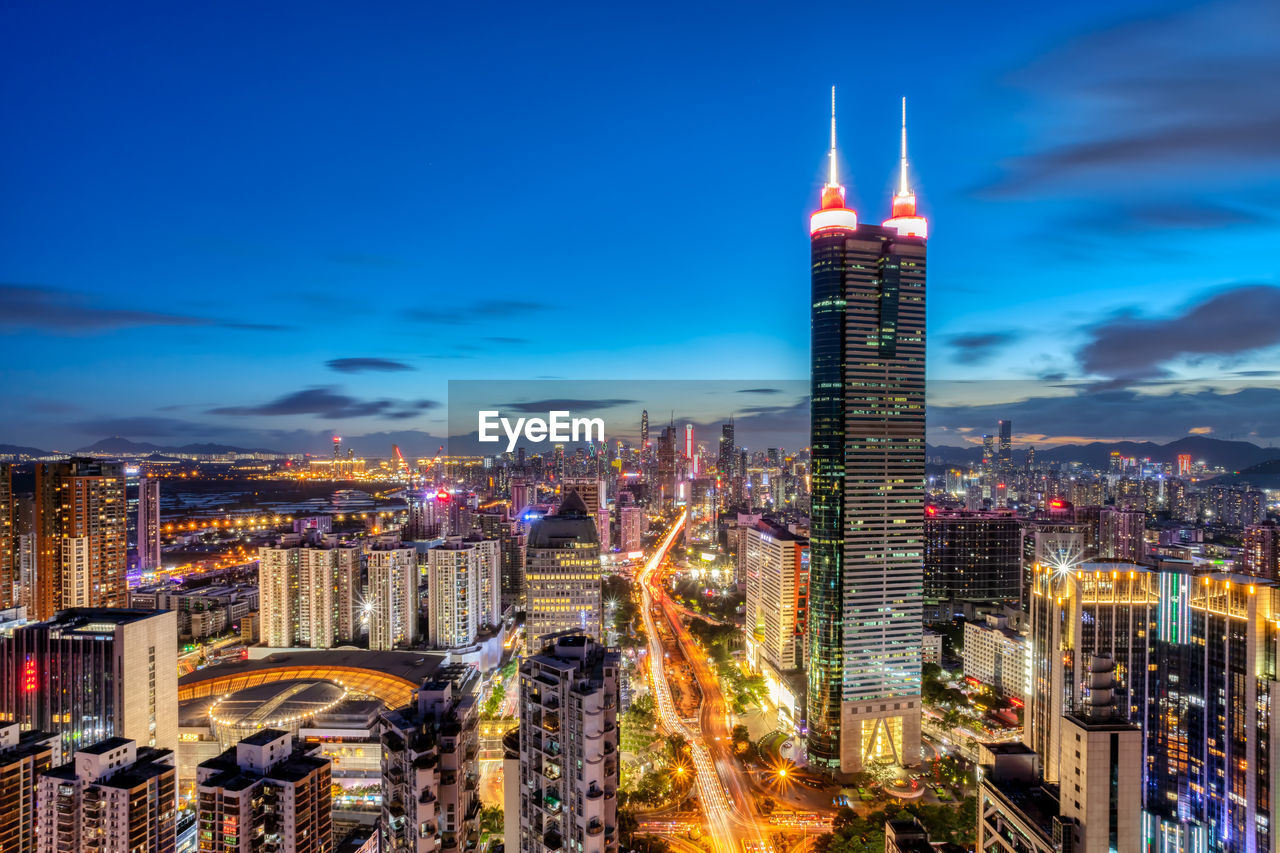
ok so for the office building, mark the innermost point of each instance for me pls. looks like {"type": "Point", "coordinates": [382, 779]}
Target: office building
{"type": "Point", "coordinates": [562, 576]}
{"type": "Point", "coordinates": [996, 655]}
{"type": "Point", "coordinates": [265, 793]}
{"type": "Point", "coordinates": [568, 774]}
{"type": "Point", "coordinates": [868, 457]}
{"type": "Point", "coordinates": [112, 797]}
{"type": "Point", "coordinates": [8, 539]}
{"type": "Point", "coordinates": [92, 674]}
{"type": "Point", "coordinates": [148, 532]}
{"type": "Point", "coordinates": [1094, 610]}
{"type": "Point", "coordinates": [1211, 743]}
{"type": "Point", "coordinates": [1260, 554]}
{"type": "Point", "coordinates": [590, 489]}
{"type": "Point", "coordinates": [463, 595]}
{"type": "Point", "coordinates": [23, 757]}
{"type": "Point", "coordinates": [776, 567]}
{"type": "Point", "coordinates": [430, 769]}
{"type": "Point", "coordinates": [972, 556]}
{"type": "Point", "coordinates": [392, 595]}
{"type": "Point", "coordinates": [1004, 452]}
{"type": "Point", "coordinates": [724, 461]}
{"type": "Point", "coordinates": [82, 546]}
{"type": "Point", "coordinates": [309, 591]}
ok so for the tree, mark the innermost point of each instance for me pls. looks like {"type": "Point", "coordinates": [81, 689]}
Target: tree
{"type": "Point", "coordinates": [491, 820]}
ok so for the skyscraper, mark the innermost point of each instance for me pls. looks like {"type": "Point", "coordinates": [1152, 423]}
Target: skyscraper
{"type": "Point", "coordinates": [8, 539]}
{"type": "Point", "coordinates": [23, 757]}
{"type": "Point", "coordinates": [82, 543]}
{"type": "Point", "coordinates": [462, 591]}
{"type": "Point", "coordinates": [644, 429]}
{"type": "Point", "coordinates": [148, 524]}
{"type": "Point", "coordinates": [974, 556]}
{"type": "Point", "coordinates": [92, 674]}
{"type": "Point", "coordinates": [867, 537]}
{"type": "Point", "coordinates": [1004, 453]}
{"type": "Point", "coordinates": [562, 578]}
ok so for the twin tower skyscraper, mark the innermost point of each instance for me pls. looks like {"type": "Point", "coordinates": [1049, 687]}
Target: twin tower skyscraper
{"type": "Point", "coordinates": [868, 454]}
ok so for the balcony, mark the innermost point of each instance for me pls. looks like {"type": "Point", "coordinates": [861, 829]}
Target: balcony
{"type": "Point", "coordinates": [551, 802]}
{"type": "Point", "coordinates": [595, 828]}
{"type": "Point", "coordinates": [552, 840]}
{"type": "Point", "coordinates": [551, 723]}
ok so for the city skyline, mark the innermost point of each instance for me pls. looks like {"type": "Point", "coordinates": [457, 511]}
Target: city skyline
{"type": "Point", "coordinates": [211, 262]}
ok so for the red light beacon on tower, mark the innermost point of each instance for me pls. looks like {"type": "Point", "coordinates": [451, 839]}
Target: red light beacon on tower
{"type": "Point", "coordinates": [833, 213]}
{"type": "Point", "coordinates": [904, 201]}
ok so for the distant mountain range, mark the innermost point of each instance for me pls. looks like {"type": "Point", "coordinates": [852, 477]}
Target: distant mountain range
{"type": "Point", "coordinates": [118, 444]}
{"type": "Point", "coordinates": [1231, 455]}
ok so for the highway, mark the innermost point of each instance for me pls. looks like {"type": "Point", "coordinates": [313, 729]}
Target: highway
{"type": "Point", "coordinates": [715, 773]}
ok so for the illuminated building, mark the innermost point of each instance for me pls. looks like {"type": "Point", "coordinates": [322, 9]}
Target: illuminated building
{"type": "Point", "coordinates": [996, 655]}
{"type": "Point", "coordinates": [590, 489]}
{"type": "Point", "coordinates": [1121, 534]}
{"type": "Point", "coordinates": [690, 451]}
{"type": "Point", "coordinates": [23, 757]}
{"type": "Point", "coordinates": [1260, 555]}
{"type": "Point", "coordinates": [148, 524]}
{"type": "Point", "coordinates": [82, 543]}
{"type": "Point", "coordinates": [8, 539]}
{"type": "Point", "coordinates": [566, 786]}
{"type": "Point", "coordinates": [92, 674]}
{"type": "Point", "coordinates": [1078, 613]}
{"type": "Point", "coordinates": [391, 599]}
{"type": "Point", "coordinates": [309, 588]}
{"type": "Point", "coordinates": [114, 797]}
{"type": "Point", "coordinates": [1184, 464]}
{"type": "Point", "coordinates": [724, 463]}
{"type": "Point", "coordinates": [644, 429]}
{"type": "Point", "coordinates": [776, 564]}
{"type": "Point", "coordinates": [665, 487]}
{"type": "Point", "coordinates": [868, 456]}
{"type": "Point", "coordinates": [972, 556]}
{"type": "Point", "coordinates": [562, 574]}
{"type": "Point", "coordinates": [265, 793]}
{"type": "Point", "coordinates": [463, 597]}
{"type": "Point", "coordinates": [630, 528]}
{"type": "Point", "coordinates": [512, 545]}
{"type": "Point", "coordinates": [429, 768]}
{"type": "Point", "coordinates": [1211, 742]}
{"type": "Point", "coordinates": [1004, 453]}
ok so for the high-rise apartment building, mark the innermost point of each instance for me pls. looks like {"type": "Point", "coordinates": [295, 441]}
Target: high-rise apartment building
{"type": "Point", "coordinates": [309, 589]}
{"type": "Point", "coordinates": [112, 797]}
{"type": "Point", "coordinates": [148, 532]}
{"type": "Point", "coordinates": [23, 757]}
{"type": "Point", "coordinates": [1260, 554]}
{"type": "Point", "coordinates": [82, 546]}
{"type": "Point", "coordinates": [568, 739]}
{"type": "Point", "coordinates": [996, 655]}
{"type": "Point", "coordinates": [1121, 535]}
{"type": "Point", "coordinates": [8, 539]}
{"type": "Point", "coordinates": [93, 674]}
{"type": "Point", "coordinates": [266, 793]}
{"type": "Point", "coordinates": [776, 567]}
{"type": "Point", "coordinates": [868, 456]}
{"type": "Point", "coordinates": [562, 576]}
{"type": "Point", "coordinates": [430, 769]}
{"type": "Point", "coordinates": [463, 590]}
{"type": "Point", "coordinates": [392, 595]}
{"type": "Point", "coordinates": [972, 556]}
{"type": "Point", "coordinates": [630, 528]}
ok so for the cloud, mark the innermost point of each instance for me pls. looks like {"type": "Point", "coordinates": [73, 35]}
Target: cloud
{"type": "Point", "coordinates": [483, 309]}
{"type": "Point", "coordinates": [564, 404]}
{"type": "Point", "coordinates": [1170, 215]}
{"type": "Point", "coordinates": [328, 403]}
{"type": "Point", "coordinates": [142, 426]}
{"type": "Point", "coordinates": [362, 365]}
{"type": "Point", "coordinates": [1230, 322]}
{"type": "Point", "coordinates": [977, 347]}
{"type": "Point", "coordinates": [25, 307]}
{"type": "Point", "coordinates": [759, 391]}
{"type": "Point", "coordinates": [1151, 96]}
{"type": "Point", "coordinates": [1200, 430]}
{"type": "Point", "coordinates": [503, 339]}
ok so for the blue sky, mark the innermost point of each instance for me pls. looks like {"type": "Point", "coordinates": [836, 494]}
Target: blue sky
{"type": "Point", "coordinates": [264, 225]}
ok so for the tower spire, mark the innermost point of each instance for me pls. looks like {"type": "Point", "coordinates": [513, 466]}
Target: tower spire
{"type": "Point", "coordinates": [833, 180]}
{"type": "Point", "coordinates": [902, 168]}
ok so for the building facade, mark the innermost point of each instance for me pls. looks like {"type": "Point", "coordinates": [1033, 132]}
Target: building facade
{"type": "Point", "coordinates": [562, 577]}
{"type": "Point", "coordinates": [93, 674]}
{"type": "Point", "coordinates": [392, 596]}
{"type": "Point", "coordinates": [24, 756]}
{"type": "Point", "coordinates": [568, 775]}
{"type": "Point", "coordinates": [309, 586]}
{"type": "Point", "coordinates": [265, 793]}
{"type": "Point", "coordinates": [148, 533]}
{"type": "Point", "coordinates": [113, 797]}
{"type": "Point", "coordinates": [429, 768]}
{"type": "Point", "coordinates": [973, 556]}
{"type": "Point", "coordinates": [82, 547]}
{"type": "Point", "coordinates": [463, 590]}
{"type": "Point", "coordinates": [776, 566]}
